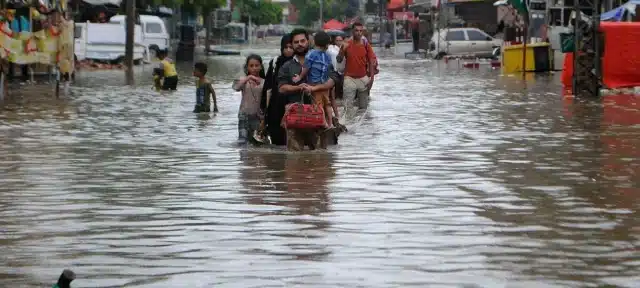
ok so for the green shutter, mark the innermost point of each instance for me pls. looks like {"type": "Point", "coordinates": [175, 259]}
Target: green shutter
{"type": "Point", "coordinates": [519, 5]}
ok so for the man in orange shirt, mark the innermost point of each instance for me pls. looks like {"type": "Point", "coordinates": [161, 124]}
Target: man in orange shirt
{"type": "Point", "coordinates": [359, 69]}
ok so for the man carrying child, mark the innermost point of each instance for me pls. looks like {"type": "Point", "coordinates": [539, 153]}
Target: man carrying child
{"type": "Point", "coordinates": [316, 69]}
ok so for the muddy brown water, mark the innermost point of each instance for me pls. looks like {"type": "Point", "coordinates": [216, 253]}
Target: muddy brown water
{"type": "Point", "coordinates": [454, 178]}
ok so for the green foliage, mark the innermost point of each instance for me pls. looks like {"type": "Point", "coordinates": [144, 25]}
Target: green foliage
{"type": "Point", "coordinates": [309, 10]}
{"type": "Point", "coordinates": [207, 6]}
{"type": "Point", "coordinates": [201, 5]}
{"type": "Point", "coordinates": [262, 12]}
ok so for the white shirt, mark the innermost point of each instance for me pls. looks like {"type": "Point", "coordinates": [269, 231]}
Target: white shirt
{"type": "Point", "coordinates": [333, 51]}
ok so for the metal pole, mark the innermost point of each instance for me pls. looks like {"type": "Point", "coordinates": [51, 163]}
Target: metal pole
{"type": "Point", "coordinates": [2, 85]}
{"type": "Point", "coordinates": [249, 32]}
{"type": "Point", "coordinates": [395, 33]}
{"type": "Point", "coordinates": [577, 37]}
{"type": "Point", "coordinates": [597, 45]}
{"type": "Point", "coordinates": [381, 12]}
{"type": "Point", "coordinates": [321, 13]}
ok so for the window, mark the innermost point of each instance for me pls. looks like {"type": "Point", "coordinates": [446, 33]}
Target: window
{"type": "Point", "coordinates": [154, 28]}
{"type": "Point", "coordinates": [475, 35]}
{"type": "Point", "coordinates": [542, 6]}
{"type": "Point", "coordinates": [455, 36]}
{"type": "Point", "coordinates": [77, 32]}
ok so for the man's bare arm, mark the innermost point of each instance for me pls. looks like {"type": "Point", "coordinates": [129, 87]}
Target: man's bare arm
{"type": "Point", "coordinates": [288, 89]}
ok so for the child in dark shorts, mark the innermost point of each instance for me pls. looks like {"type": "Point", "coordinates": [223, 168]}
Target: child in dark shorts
{"type": "Point", "coordinates": [203, 90]}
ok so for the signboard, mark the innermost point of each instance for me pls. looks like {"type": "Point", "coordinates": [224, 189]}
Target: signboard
{"type": "Point", "coordinates": [403, 16]}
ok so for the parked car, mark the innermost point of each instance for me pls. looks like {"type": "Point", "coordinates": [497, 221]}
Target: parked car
{"type": "Point", "coordinates": [462, 41]}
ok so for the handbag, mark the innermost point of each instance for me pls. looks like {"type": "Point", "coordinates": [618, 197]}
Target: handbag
{"type": "Point", "coordinates": [303, 116]}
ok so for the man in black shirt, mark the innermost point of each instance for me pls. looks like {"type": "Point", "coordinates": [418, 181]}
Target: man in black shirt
{"type": "Point", "coordinates": [300, 91]}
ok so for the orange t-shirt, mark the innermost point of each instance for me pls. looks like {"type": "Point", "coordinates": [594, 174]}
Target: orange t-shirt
{"type": "Point", "coordinates": [357, 60]}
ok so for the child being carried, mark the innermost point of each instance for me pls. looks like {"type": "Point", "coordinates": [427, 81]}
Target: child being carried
{"type": "Point", "coordinates": [316, 69]}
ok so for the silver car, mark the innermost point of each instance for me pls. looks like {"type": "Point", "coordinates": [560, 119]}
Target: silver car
{"type": "Point", "coordinates": [462, 41]}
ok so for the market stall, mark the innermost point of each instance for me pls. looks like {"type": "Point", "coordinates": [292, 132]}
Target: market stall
{"type": "Point", "coordinates": [36, 35]}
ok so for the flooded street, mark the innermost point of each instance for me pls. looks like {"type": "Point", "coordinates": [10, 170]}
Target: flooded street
{"type": "Point", "coordinates": [454, 178]}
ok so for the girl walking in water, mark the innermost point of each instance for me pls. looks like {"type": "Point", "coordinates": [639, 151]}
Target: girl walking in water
{"type": "Point", "coordinates": [250, 85]}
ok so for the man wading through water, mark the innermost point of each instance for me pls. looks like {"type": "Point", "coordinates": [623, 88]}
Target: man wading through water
{"type": "Point", "coordinates": [295, 91]}
{"type": "Point", "coordinates": [359, 69]}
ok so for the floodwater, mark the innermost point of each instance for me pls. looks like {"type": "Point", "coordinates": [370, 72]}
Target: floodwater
{"type": "Point", "coordinates": [454, 178]}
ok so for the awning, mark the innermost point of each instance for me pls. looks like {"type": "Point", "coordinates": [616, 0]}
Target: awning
{"type": "Point", "coordinates": [398, 4]}
{"type": "Point", "coordinates": [403, 16]}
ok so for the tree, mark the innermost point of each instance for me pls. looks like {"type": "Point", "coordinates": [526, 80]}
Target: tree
{"type": "Point", "coordinates": [207, 7]}
{"type": "Point", "coordinates": [309, 10]}
{"type": "Point", "coordinates": [263, 12]}
{"type": "Point", "coordinates": [353, 6]}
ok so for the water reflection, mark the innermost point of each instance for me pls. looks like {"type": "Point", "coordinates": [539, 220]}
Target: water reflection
{"type": "Point", "coordinates": [455, 177]}
{"type": "Point", "coordinates": [546, 206]}
{"type": "Point", "coordinates": [291, 188]}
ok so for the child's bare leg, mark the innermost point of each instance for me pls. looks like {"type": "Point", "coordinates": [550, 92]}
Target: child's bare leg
{"type": "Point", "coordinates": [334, 105]}
{"type": "Point", "coordinates": [328, 115]}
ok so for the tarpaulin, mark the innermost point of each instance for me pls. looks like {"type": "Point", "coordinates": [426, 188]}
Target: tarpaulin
{"type": "Point", "coordinates": [621, 59]}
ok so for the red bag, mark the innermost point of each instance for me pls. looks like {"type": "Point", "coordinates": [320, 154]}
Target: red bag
{"type": "Point", "coordinates": [303, 116]}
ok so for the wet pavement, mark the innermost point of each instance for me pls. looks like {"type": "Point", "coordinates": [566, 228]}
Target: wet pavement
{"type": "Point", "coordinates": [454, 178]}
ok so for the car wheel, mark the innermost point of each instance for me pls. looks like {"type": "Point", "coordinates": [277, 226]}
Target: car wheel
{"type": "Point", "coordinates": [440, 55]}
{"type": "Point", "coordinates": [152, 53]}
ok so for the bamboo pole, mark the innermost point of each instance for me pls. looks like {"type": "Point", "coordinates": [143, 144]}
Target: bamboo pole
{"type": "Point", "coordinates": [2, 85]}
{"type": "Point", "coordinates": [524, 45]}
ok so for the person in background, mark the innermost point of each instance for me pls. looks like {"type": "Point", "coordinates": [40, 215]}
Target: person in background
{"type": "Point", "coordinates": [166, 70]}
{"type": "Point", "coordinates": [359, 69]}
{"type": "Point", "coordinates": [102, 18]}
{"type": "Point", "coordinates": [415, 33]}
{"type": "Point", "coordinates": [18, 23]}
{"type": "Point", "coordinates": [387, 40]}
{"type": "Point", "coordinates": [336, 92]}
{"type": "Point", "coordinates": [272, 102]}
{"type": "Point", "coordinates": [250, 85]}
{"type": "Point", "coordinates": [204, 89]}
{"type": "Point", "coordinates": [316, 69]}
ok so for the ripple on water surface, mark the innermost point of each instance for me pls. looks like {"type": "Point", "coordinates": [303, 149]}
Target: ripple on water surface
{"type": "Point", "coordinates": [454, 178]}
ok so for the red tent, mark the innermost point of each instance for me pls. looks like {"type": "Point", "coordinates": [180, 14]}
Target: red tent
{"type": "Point", "coordinates": [398, 4]}
{"type": "Point", "coordinates": [333, 24]}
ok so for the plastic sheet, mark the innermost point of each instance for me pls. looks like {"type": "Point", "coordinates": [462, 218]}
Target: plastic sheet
{"type": "Point", "coordinates": [621, 58]}
{"type": "Point", "coordinates": [621, 55]}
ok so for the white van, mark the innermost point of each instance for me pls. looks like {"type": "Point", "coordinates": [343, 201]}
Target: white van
{"type": "Point", "coordinates": [154, 32]}
{"type": "Point", "coordinates": [105, 42]}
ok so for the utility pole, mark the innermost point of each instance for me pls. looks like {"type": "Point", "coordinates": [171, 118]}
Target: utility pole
{"type": "Point", "coordinates": [381, 11]}
{"type": "Point", "coordinates": [321, 13]}
{"type": "Point", "coordinates": [128, 47]}
{"type": "Point", "coordinates": [587, 56]}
